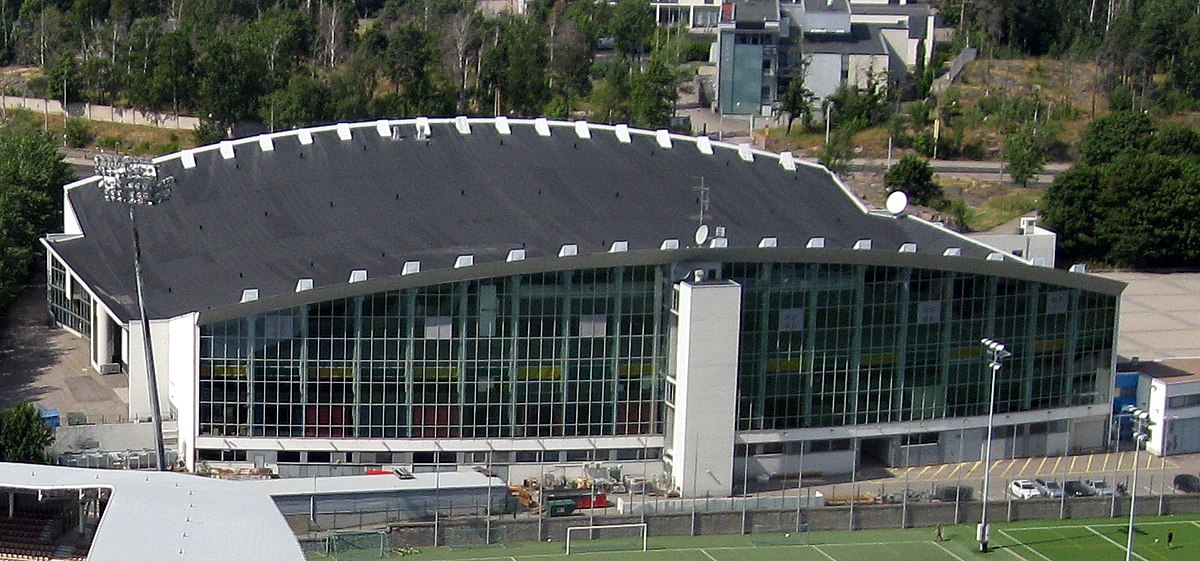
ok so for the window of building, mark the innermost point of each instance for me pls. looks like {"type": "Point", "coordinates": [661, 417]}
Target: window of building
{"type": "Point", "coordinates": [318, 457]}
{"type": "Point", "coordinates": [919, 439]}
{"type": "Point", "coordinates": [287, 457]}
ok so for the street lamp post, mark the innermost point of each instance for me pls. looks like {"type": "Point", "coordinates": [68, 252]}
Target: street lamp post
{"type": "Point", "coordinates": [135, 182]}
{"type": "Point", "coordinates": [999, 353]}
{"type": "Point", "coordinates": [1141, 427]}
{"type": "Point", "coordinates": [828, 107]}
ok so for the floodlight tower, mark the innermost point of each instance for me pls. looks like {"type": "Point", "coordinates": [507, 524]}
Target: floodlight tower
{"type": "Point", "coordinates": [135, 181]}
{"type": "Point", "coordinates": [999, 353]}
{"type": "Point", "coordinates": [1141, 431]}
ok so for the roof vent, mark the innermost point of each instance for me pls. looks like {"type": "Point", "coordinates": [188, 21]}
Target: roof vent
{"type": "Point", "coordinates": [343, 131]}
{"type": "Point", "coordinates": [619, 247]}
{"type": "Point", "coordinates": [358, 275]}
{"type": "Point", "coordinates": [411, 268]}
{"type": "Point", "coordinates": [769, 242]}
{"type": "Point", "coordinates": [462, 125]}
{"type": "Point", "coordinates": [953, 252]}
{"type": "Point", "coordinates": [1078, 268]}
{"type": "Point", "coordinates": [515, 255]}
{"type": "Point", "coordinates": [502, 126]}
{"type": "Point", "coordinates": [226, 149]}
{"type": "Point", "coordinates": [908, 248]}
{"type": "Point", "coordinates": [623, 134]}
{"type": "Point", "coordinates": [424, 131]}
{"type": "Point", "coordinates": [464, 261]}
{"type": "Point", "coordinates": [663, 137]}
{"type": "Point", "coordinates": [862, 244]}
{"type": "Point", "coordinates": [188, 158]}
{"type": "Point", "coordinates": [744, 152]}
{"type": "Point", "coordinates": [788, 161]}
{"type": "Point", "coordinates": [582, 129]}
{"type": "Point", "coordinates": [249, 295]}
{"type": "Point", "coordinates": [266, 143]}
{"type": "Point", "coordinates": [568, 250]}
{"type": "Point", "coordinates": [384, 128]}
{"type": "Point", "coordinates": [670, 243]}
{"type": "Point", "coordinates": [304, 284]}
{"type": "Point", "coordinates": [718, 242]}
{"type": "Point", "coordinates": [815, 243]}
{"type": "Point", "coordinates": [542, 126]}
{"type": "Point", "coordinates": [995, 256]}
{"type": "Point", "coordinates": [305, 136]}
{"type": "Point", "coordinates": [704, 145]}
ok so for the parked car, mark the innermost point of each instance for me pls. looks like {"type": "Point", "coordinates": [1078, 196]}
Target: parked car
{"type": "Point", "coordinates": [1076, 488]}
{"type": "Point", "coordinates": [1100, 487]}
{"type": "Point", "coordinates": [1024, 489]}
{"type": "Point", "coordinates": [1187, 483]}
{"type": "Point", "coordinates": [1049, 488]}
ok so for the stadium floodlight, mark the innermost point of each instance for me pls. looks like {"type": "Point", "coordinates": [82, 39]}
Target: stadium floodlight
{"type": "Point", "coordinates": [1141, 432]}
{"type": "Point", "coordinates": [135, 181]}
{"type": "Point", "coordinates": [999, 353]}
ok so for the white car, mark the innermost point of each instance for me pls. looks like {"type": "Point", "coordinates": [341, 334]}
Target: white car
{"type": "Point", "coordinates": [1049, 488]}
{"type": "Point", "coordinates": [1100, 487]}
{"type": "Point", "coordinates": [1024, 489]}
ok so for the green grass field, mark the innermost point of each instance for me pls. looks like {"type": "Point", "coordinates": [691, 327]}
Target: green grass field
{"type": "Point", "coordinates": [1066, 540]}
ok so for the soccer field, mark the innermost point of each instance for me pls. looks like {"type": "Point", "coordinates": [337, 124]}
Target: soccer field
{"type": "Point", "coordinates": [1054, 540]}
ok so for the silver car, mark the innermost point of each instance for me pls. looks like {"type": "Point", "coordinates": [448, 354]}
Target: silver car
{"type": "Point", "coordinates": [1049, 488]}
{"type": "Point", "coordinates": [1101, 488]}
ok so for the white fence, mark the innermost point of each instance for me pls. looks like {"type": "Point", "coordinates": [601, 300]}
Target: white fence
{"type": "Point", "coordinates": [107, 113]}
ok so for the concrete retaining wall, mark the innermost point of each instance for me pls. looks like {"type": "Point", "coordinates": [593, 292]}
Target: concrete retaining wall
{"type": "Point", "coordinates": [106, 113]}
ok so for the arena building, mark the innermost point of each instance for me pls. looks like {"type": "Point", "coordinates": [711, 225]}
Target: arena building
{"type": "Point", "coordinates": [532, 293]}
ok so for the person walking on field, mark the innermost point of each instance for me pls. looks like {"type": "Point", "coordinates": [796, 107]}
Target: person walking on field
{"type": "Point", "coordinates": [939, 535]}
{"type": "Point", "coordinates": [1170, 539]}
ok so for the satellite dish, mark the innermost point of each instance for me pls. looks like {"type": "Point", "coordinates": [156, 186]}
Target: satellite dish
{"type": "Point", "coordinates": [897, 202]}
{"type": "Point", "coordinates": [702, 234]}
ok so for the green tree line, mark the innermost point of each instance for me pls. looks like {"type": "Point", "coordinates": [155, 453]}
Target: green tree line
{"type": "Point", "coordinates": [1133, 198]}
{"type": "Point", "coordinates": [292, 62]}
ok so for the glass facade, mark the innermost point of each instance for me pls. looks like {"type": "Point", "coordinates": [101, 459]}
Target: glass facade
{"type": "Point", "coordinates": [574, 353]}
{"type": "Point", "coordinates": [825, 345]}
{"type": "Point", "coordinates": [71, 308]}
{"type": "Point", "coordinates": [584, 353]}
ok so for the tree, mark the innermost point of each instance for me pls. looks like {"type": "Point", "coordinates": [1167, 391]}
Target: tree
{"type": "Point", "coordinates": [838, 152]}
{"type": "Point", "coordinates": [32, 174]}
{"type": "Point", "coordinates": [914, 176]}
{"type": "Point", "coordinates": [1071, 208]}
{"type": "Point", "coordinates": [631, 25]}
{"type": "Point", "coordinates": [797, 100]}
{"type": "Point", "coordinates": [651, 94]}
{"type": "Point", "coordinates": [1108, 135]}
{"type": "Point", "coordinates": [304, 101]}
{"type": "Point", "coordinates": [1026, 152]}
{"type": "Point", "coordinates": [23, 436]}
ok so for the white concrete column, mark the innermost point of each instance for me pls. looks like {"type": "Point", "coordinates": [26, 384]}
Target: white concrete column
{"type": "Point", "coordinates": [101, 339]}
{"type": "Point", "coordinates": [706, 358]}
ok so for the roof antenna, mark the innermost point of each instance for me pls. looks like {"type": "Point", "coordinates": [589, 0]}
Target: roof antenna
{"type": "Point", "coordinates": [702, 230]}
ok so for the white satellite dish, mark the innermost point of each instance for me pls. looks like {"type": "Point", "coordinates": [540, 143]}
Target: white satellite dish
{"type": "Point", "coordinates": [897, 202]}
{"type": "Point", "coordinates": [702, 234]}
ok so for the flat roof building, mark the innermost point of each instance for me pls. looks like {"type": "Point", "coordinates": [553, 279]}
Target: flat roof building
{"type": "Point", "coordinates": [531, 292]}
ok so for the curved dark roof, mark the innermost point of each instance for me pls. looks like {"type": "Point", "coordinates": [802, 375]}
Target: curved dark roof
{"type": "Point", "coordinates": [323, 202]}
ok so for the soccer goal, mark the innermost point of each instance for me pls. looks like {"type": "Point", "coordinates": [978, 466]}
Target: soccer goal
{"type": "Point", "coordinates": [358, 545]}
{"type": "Point", "coordinates": [609, 537]}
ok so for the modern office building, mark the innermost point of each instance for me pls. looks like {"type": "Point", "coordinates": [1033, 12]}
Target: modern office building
{"type": "Point", "coordinates": [532, 293]}
{"type": "Point", "coordinates": [841, 43]}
